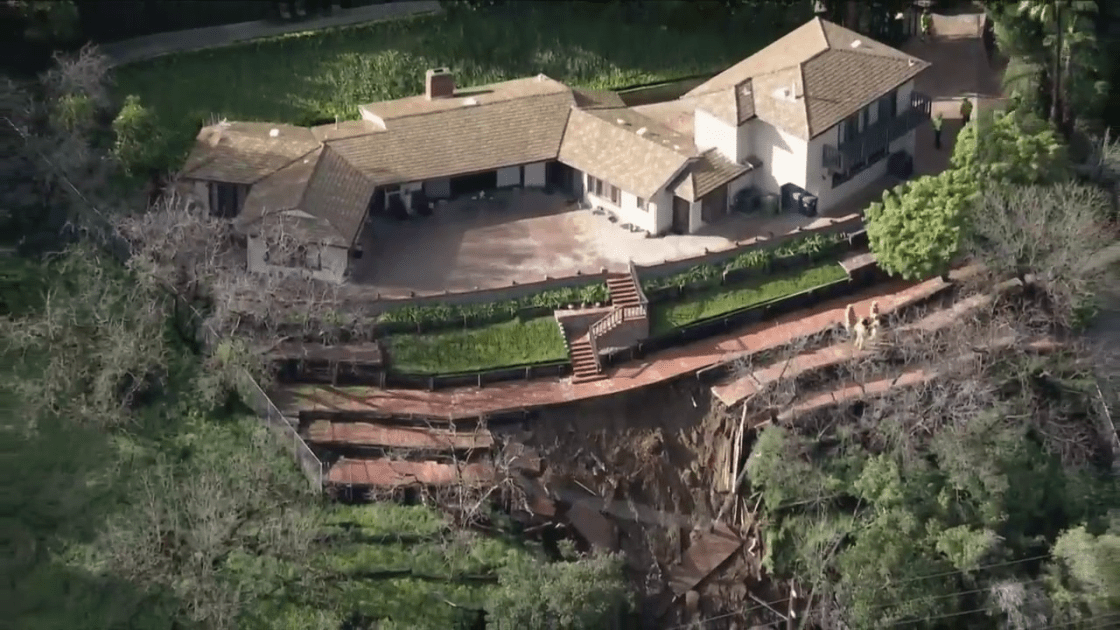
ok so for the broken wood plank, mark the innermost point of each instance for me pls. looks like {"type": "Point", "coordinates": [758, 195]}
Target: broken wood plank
{"type": "Point", "coordinates": [703, 557]}
{"type": "Point", "coordinates": [595, 528]}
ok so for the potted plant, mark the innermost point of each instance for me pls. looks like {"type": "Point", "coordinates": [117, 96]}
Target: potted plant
{"type": "Point", "coordinates": [938, 122]}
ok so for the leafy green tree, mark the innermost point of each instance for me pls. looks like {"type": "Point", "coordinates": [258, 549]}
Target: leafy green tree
{"type": "Point", "coordinates": [1011, 147]}
{"type": "Point", "coordinates": [138, 145]}
{"type": "Point", "coordinates": [917, 229]}
{"type": "Point", "coordinates": [584, 594]}
{"type": "Point", "coordinates": [1085, 575]}
{"type": "Point", "coordinates": [1067, 33]}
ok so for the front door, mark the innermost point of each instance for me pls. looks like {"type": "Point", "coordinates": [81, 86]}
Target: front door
{"type": "Point", "coordinates": [680, 215]}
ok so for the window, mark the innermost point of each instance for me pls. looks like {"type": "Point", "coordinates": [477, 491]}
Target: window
{"type": "Point", "coordinates": [888, 106]}
{"type": "Point", "coordinates": [595, 186]}
{"type": "Point", "coordinates": [641, 203]}
{"type": "Point", "coordinates": [615, 194]}
{"type": "Point", "coordinates": [226, 199]}
{"type": "Point", "coordinates": [849, 129]}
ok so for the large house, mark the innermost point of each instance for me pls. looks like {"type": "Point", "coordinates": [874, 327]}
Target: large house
{"type": "Point", "coordinates": [810, 119]}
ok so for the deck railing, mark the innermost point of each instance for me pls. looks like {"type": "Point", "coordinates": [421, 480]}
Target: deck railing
{"type": "Point", "coordinates": [877, 137]}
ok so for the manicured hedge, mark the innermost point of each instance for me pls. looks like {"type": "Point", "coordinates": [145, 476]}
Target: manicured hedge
{"type": "Point", "coordinates": [706, 304]}
{"type": "Point", "coordinates": [511, 343]}
{"type": "Point", "coordinates": [815, 247]}
{"type": "Point", "coordinates": [467, 315]}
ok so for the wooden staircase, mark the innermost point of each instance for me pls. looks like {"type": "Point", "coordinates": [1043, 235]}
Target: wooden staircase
{"type": "Point", "coordinates": [585, 365]}
{"type": "Point", "coordinates": [622, 290]}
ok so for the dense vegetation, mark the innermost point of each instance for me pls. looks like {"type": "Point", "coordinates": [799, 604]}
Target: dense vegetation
{"type": "Point", "coordinates": [140, 492]}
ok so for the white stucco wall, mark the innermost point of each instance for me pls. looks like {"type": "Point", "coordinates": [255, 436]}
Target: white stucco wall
{"type": "Point", "coordinates": [784, 156]}
{"type": "Point", "coordinates": [695, 220]}
{"type": "Point", "coordinates": [661, 208]}
{"type": "Point", "coordinates": [820, 180]}
{"type": "Point", "coordinates": [333, 260]}
{"type": "Point", "coordinates": [627, 209]}
{"type": "Point", "coordinates": [535, 175]}
{"type": "Point", "coordinates": [510, 176]}
{"type": "Point", "coordinates": [713, 133]}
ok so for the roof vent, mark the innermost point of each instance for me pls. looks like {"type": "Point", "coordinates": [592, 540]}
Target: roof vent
{"type": "Point", "coordinates": [857, 44]}
{"type": "Point", "coordinates": [622, 122]}
{"type": "Point", "coordinates": [470, 101]}
{"type": "Point", "coordinates": [911, 62]}
{"type": "Point", "coordinates": [643, 131]}
{"type": "Point", "coordinates": [274, 133]}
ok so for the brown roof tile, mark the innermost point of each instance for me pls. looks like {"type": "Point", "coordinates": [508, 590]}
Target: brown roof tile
{"type": "Point", "coordinates": [703, 176]}
{"type": "Point", "coordinates": [490, 94]}
{"type": "Point", "coordinates": [245, 152]}
{"type": "Point", "coordinates": [592, 99]}
{"type": "Point", "coordinates": [467, 139]}
{"type": "Point", "coordinates": [640, 164]}
{"type": "Point", "coordinates": [676, 115]}
{"type": "Point", "coordinates": [345, 129]}
{"type": "Point", "coordinates": [281, 190]}
{"type": "Point", "coordinates": [832, 72]}
{"type": "Point", "coordinates": [338, 193]}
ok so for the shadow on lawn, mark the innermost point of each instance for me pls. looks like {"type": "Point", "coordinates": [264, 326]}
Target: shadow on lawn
{"type": "Point", "coordinates": [311, 77]}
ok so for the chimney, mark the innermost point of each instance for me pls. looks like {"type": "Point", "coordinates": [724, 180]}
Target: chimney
{"type": "Point", "coordinates": [439, 83]}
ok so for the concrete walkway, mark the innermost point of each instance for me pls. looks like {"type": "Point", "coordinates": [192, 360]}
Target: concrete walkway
{"type": "Point", "coordinates": [472, 402]}
{"type": "Point", "coordinates": [150, 46]}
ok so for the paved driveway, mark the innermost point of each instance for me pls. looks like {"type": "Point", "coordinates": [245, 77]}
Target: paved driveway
{"type": "Point", "coordinates": [960, 68]}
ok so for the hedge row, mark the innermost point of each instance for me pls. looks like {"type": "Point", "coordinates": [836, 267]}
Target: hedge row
{"type": "Point", "coordinates": [440, 316]}
{"type": "Point", "coordinates": [814, 247]}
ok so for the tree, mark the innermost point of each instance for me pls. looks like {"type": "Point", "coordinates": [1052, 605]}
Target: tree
{"type": "Point", "coordinates": [1067, 32]}
{"type": "Point", "coordinates": [583, 594]}
{"type": "Point", "coordinates": [1011, 147]}
{"type": "Point", "coordinates": [138, 145]}
{"type": "Point", "coordinates": [1085, 574]}
{"type": "Point", "coordinates": [1049, 232]}
{"type": "Point", "coordinates": [916, 231]}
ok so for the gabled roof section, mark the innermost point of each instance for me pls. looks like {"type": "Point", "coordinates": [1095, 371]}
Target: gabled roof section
{"type": "Point", "coordinates": [479, 95]}
{"type": "Point", "coordinates": [245, 152]}
{"type": "Point", "coordinates": [279, 191]}
{"type": "Point", "coordinates": [462, 139]}
{"type": "Point", "coordinates": [706, 174]}
{"type": "Point", "coordinates": [733, 105]}
{"type": "Point", "coordinates": [339, 194]}
{"type": "Point", "coordinates": [625, 148]}
{"type": "Point", "coordinates": [596, 99]}
{"type": "Point", "coordinates": [812, 78]}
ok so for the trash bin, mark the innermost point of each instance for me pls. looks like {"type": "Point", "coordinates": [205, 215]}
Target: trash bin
{"type": "Point", "coordinates": [808, 205]}
{"type": "Point", "coordinates": [770, 205]}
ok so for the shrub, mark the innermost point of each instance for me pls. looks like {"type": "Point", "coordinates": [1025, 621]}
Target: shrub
{"type": "Point", "coordinates": [138, 146]}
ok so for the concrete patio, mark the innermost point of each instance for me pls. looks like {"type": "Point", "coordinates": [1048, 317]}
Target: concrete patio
{"type": "Point", "coordinates": [523, 235]}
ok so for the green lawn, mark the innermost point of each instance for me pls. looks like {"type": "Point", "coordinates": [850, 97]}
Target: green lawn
{"type": "Point", "coordinates": [305, 77]}
{"type": "Point", "coordinates": [712, 303]}
{"type": "Point", "coordinates": [501, 345]}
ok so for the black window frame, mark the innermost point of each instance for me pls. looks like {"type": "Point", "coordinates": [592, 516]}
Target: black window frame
{"type": "Point", "coordinates": [227, 199]}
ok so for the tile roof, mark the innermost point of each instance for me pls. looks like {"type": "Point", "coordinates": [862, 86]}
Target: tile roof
{"type": "Point", "coordinates": [592, 99]}
{"type": "Point", "coordinates": [490, 94]}
{"type": "Point", "coordinates": [300, 226]}
{"type": "Point", "coordinates": [733, 105]}
{"type": "Point", "coordinates": [830, 72]}
{"type": "Point", "coordinates": [463, 140]}
{"type": "Point", "coordinates": [706, 174]}
{"type": "Point", "coordinates": [281, 190]}
{"type": "Point", "coordinates": [607, 144]}
{"type": "Point", "coordinates": [245, 152]}
{"type": "Point", "coordinates": [338, 193]}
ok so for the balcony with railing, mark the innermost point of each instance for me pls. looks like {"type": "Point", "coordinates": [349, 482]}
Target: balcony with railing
{"type": "Point", "coordinates": [877, 137]}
